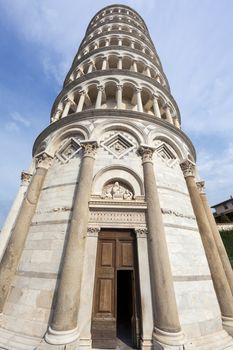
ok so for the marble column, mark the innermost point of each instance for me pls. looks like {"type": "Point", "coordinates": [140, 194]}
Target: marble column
{"type": "Point", "coordinates": [218, 240]}
{"type": "Point", "coordinates": [20, 230]}
{"type": "Point", "coordinates": [119, 65]}
{"type": "Point", "coordinates": [68, 104]}
{"type": "Point", "coordinates": [156, 106]}
{"type": "Point", "coordinates": [81, 101]}
{"type": "Point", "coordinates": [148, 72]}
{"type": "Point", "coordinates": [167, 328]}
{"type": "Point", "coordinates": [168, 114]}
{"type": "Point", "coordinates": [90, 68]}
{"type": "Point", "coordinates": [139, 99]}
{"type": "Point", "coordinates": [134, 66]}
{"type": "Point", "coordinates": [79, 73]}
{"type": "Point", "coordinates": [56, 115]}
{"type": "Point", "coordinates": [104, 64]}
{"type": "Point", "coordinates": [221, 285]}
{"type": "Point", "coordinates": [176, 122]}
{"type": "Point", "coordinates": [64, 322]}
{"type": "Point", "coordinates": [119, 96]}
{"type": "Point", "coordinates": [98, 103]}
{"type": "Point", "coordinates": [10, 220]}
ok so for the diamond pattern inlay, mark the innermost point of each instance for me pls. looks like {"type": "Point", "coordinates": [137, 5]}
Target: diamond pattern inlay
{"type": "Point", "coordinates": [118, 145]}
{"type": "Point", "coordinates": [164, 152]}
{"type": "Point", "coordinates": [68, 150]}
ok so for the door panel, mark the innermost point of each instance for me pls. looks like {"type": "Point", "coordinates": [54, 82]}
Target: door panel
{"type": "Point", "coordinates": [105, 295]}
{"type": "Point", "coordinates": [115, 251]}
{"type": "Point", "coordinates": [126, 254]}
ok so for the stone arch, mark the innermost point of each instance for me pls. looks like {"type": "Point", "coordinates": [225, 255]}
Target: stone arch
{"type": "Point", "coordinates": [122, 174]}
{"type": "Point", "coordinates": [128, 127]}
{"type": "Point", "coordinates": [175, 144]}
{"type": "Point", "coordinates": [79, 132]}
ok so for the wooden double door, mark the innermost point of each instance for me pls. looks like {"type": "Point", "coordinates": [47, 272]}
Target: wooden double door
{"type": "Point", "coordinates": [116, 302]}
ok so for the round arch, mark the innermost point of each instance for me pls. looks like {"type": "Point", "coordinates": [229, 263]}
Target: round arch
{"type": "Point", "coordinates": [126, 126]}
{"type": "Point", "coordinates": [117, 173]}
{"type": "Point", "coordinates": [64, 133]}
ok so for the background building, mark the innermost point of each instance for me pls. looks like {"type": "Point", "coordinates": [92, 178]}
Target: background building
{"type": "Point", "coordinates": [225, 209]}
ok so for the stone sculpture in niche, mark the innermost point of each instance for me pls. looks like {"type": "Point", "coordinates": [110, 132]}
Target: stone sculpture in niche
{"type": "Point", "coordinates": [116, 191]}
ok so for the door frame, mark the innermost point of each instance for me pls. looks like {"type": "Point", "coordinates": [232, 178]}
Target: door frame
{"type": "Point", "coordinates": [87, 289]}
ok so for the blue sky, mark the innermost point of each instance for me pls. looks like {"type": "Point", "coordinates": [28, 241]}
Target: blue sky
{"type": "Point", "coordinates": [194, 39]}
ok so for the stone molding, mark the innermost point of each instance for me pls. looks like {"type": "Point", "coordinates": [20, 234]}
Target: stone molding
{"type": "Point", "coordinates": [25, 178]}
{"type": "Point", "coordinates": [118, 218]}
{"type": "Point", "coordinates": [120, 114]}
{"type": "Point", "coordinates": [188, 168]}
{"type": "Point", "coordinates": [99, 203]}
{"type": "Point", "coordinates": [43, 160]}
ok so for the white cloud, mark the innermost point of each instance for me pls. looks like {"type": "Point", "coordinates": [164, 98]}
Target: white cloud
{"type": "Point", "coordinates": [11, 126]}
{"type": "Point", "coordinates": [20, 119]}
{"type": "Point", "coordinates": [16, 122]}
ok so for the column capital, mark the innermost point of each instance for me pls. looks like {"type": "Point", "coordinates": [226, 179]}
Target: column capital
{"type": "Point", "coordinates": [100, 88]}
{"type": "Point", "coordinates": [146, 153]}
{"type": "Point", "coordinates": [43, 160]}
{"type": "Point", "coordinates": [141, 232]}
{"type": "Point", "coordinates": [82, 92]}
{"type": "Point", "coordinates": [137, 89]}
{"type": "Point", "coordinates": [68, 99]}
{"type": "Point", "coordinates": [155, 96]}
{"type": "Point", "coordinates": [89, 148]}
{"type": "Point", "coordinates": [201, 186]}
{"type": "Point", "coordinates": [188, 168]}
{"type": "Point", "coordinates": [167, 106]}
{"type": "Point", "coordinates": [25, 178]}
{"type": "Point", "coordinates": [119, 86]}
{"type": "Point", "coordinates": [93, 231]}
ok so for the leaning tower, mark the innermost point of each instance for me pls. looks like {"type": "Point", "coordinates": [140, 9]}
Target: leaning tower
{"type": "Point", "coordinates": [110, 241]}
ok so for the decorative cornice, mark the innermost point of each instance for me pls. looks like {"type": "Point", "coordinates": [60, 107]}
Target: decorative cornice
{"type": "Point", "coordinates": [43, 160]}
{"type": "Point", "coordinates": [188, 168]}
{"type": "Point", "coordinates": [201, 186]}
{"type": "Point", "coordinates": [120, 113]}
{"type": "Point", "coordinates": [25, 178]}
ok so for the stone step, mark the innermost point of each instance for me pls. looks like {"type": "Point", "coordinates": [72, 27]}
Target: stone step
{"type": "Point", "coordinates": [217, 341]}
{"type": "Point", "coordinates": [13, 341]}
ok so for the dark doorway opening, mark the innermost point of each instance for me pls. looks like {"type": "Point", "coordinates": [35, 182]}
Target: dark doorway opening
{"type": "Point", "coordinates": [125, 306]}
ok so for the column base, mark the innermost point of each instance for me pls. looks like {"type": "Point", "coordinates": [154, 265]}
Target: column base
{"type": "Point", "coordinates": [227, 323]}
{"type": "Point", "coordinates": [85, 343]}
{"type": "Point", "coordinates": [61, 337]}
{"type": "Point", "coordinates": [146, 344]}
{"type": "Point", "coordinates": [165, 340]}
